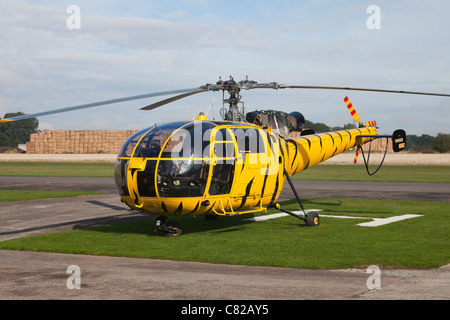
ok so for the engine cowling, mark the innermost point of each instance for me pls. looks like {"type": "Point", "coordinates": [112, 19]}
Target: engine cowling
{"type": "Point", "coordinates": [281, 122]}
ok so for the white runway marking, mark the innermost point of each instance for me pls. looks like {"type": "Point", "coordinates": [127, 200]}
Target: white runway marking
{"type": "Point", "coordinates": [379, 222]}
{"type": "Point", "coordinates": [279, 215]}
{"type": "Point", "coordinates": [376, 222]}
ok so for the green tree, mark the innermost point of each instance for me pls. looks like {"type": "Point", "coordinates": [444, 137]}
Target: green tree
{"type": "Point", "coordinates": [349, 126]}
{"type": "Point", "coordinates": [17, 132]}
{"type": "Point", "coordinates": [345, 127]}
{"type": "Point", "coordinates": [442, 142]}
{"type": "Point", "coordinates": [319, 127]}
{"type": "Point", "coordinates": [416, 143]}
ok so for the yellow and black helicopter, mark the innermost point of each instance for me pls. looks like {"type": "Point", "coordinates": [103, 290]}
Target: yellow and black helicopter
{"type": "Point", "coordinates": [234, 166]}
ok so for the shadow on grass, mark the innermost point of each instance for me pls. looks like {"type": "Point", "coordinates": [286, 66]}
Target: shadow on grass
{"type": "Point", "coordinates": [144, 224]}
{"type": "Point", "coordinates": [189, 225]}
{"type": "Point", "coordinates": [218, 225]}
{"type": "Point", "coordinates": [334, 206]}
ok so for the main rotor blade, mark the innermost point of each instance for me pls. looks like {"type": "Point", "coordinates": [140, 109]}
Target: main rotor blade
{"type": "Point", "coordinates": [101, 103]}
{"type": "Point", "coordinates": [169, 100]}
{"type": "Point", "coordinates": [363, 89]}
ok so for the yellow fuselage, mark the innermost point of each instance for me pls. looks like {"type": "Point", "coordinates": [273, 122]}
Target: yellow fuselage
{"type": "Point", "coordinates": [231, 168]}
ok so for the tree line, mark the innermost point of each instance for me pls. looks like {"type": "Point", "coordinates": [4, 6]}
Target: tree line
{"type": "Point", "coordinates": [428, 144]}
{"type": "Point", "coordinates": [18, 132]}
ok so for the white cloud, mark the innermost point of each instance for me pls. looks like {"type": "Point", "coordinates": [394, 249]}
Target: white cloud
{"type": "Point", "coordinates": [148, 46]}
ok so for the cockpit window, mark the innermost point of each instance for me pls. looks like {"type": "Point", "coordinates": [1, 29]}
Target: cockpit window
{"type": "Point", "coordinates": [151, 144]}
{"type": "Point", "coordinates": [222, 178]}
{"type": "Point", "coordinates": [189, 142]}
{"type": "Point", "coordinates": [223, 134]}
{"type": "Point", "coordinates": [146, 180]}
{"type": "Point", "coordinates": [182, 178]}
{"type": "Point", "coordinates": [180, 157]}
{"type": "Point", "coordinates": [249, 140]}
{"type": "Point", "coordinates": [224, 162]}
{"type": "Point", "coordinates": [127, 148]}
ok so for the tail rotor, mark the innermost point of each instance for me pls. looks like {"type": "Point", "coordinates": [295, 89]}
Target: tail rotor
{"type": "Point", "coordinates": [352, 111]}
{"type": "Point", "coordinates": [356, 117]}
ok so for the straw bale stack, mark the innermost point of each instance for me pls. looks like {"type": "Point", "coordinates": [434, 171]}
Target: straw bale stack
{"type": "Point", "coordinates": [108, 142]}
{"type": "Point", "coordinates": [78, 141]}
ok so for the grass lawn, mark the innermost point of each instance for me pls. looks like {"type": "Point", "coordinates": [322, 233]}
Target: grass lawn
{"type": "Point", "coordinates": [284, 242]}
{"type": "Point", "coordinates": [423, 173]}
{"type": "Point", "coordinates": [56, 169]}
{"type": "Point", "coordinates": [20, 195]}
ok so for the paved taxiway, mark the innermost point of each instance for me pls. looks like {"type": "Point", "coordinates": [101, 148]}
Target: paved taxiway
{"type": "Point", "coordinates": [33, 275]}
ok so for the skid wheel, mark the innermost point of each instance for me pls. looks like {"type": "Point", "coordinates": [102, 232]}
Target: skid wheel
{"type": "Point", "coordinates": [312, 219]}
{"type": "Point", "coordinates": [173, 229]}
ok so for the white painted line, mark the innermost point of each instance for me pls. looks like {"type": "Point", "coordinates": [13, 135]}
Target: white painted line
{"type": "Point", "coordinates": [279, 215]}
{"type": "Point", "coordinates": [344, 217]}
{"type": "Point", "coordinates": [374, 223]}
{"type": "Point", "coordinates": [380, 222]}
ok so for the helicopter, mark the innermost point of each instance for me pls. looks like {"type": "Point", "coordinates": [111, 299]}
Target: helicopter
{"type": "Point", "coordinates": [237, 165]}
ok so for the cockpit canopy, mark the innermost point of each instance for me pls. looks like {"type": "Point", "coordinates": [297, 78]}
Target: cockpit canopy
{"type": "Point", "coordinates": [178, 157]}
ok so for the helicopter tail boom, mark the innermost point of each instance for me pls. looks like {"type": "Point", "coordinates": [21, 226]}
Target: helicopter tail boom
{"type": "Point", "coordinates": [306, 151]}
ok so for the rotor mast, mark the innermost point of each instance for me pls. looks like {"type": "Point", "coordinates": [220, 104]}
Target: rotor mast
{"type": "Point", "coordinates": [234, 113]}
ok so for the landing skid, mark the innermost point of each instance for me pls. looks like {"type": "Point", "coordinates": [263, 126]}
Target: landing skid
{"type": "Point", "coordinates": [170, 229]}
{"type": "Point", "coordinates": [312, 219]}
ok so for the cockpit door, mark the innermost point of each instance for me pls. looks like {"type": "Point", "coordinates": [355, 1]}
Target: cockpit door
{"type": "Point", "coordinates": [222, 163]}
{"type": "Point", "coordinates": [250, 161]}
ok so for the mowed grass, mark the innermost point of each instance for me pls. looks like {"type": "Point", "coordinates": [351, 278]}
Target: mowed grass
{"type": "Point", "coordinates": [283, 242]}
{"type": "Point", "coordinates": [392, 173]}
{"type": "Point", "coordinates": [57, 169]}
{"type": "Point", "coordinates": [21, 195]}
{"type": "Point", "coordinates": [387, 173]}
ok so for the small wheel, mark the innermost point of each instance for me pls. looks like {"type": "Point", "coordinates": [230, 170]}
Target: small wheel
{"type": "Point", "coordinates": [173, 229]}
{"type": "Point", "coordinates": [312, 219]}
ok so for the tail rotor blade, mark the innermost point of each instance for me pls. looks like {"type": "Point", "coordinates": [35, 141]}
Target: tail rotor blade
{"type": "Point", "coordinates": [352, 110]}
{"type": "Point", "coordinates": [357, 154]}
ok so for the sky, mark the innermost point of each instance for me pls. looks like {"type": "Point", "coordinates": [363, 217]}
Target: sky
{"type": "Point", "coordinates": [54, 57]}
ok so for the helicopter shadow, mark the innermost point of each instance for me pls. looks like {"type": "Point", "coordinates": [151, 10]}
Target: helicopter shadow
{"type": "Point", "coordinates": [133, 222]}
{"type": "Point", "coordinates": [190, 225]}
{"type": "Point", "coordinates": [144, 223]}
{"type": "Point", "coordinates": [139, 223]}
{"type": "Point", "coordinates": [334, 206]}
